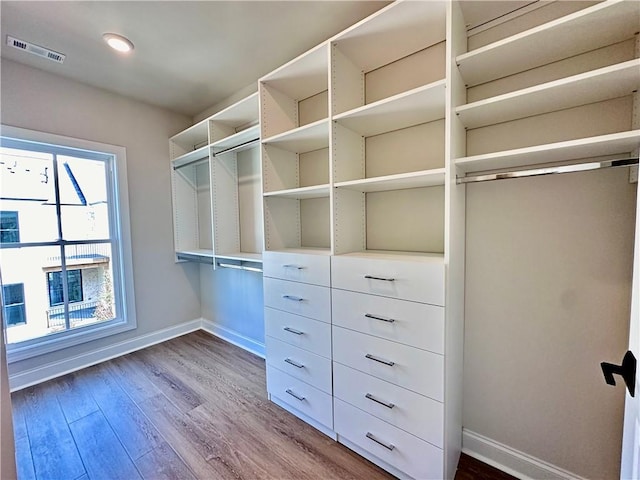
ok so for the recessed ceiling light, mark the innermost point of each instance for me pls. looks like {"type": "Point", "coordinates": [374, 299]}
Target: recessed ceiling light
{"type": "Point", "coordinates": [118, 42]}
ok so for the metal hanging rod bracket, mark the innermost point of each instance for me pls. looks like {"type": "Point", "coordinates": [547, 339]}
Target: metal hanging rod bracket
{"type": "Point", "coordinates": [578, 167]}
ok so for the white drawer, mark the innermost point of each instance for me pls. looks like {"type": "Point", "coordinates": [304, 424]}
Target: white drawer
{"type": "Point", "coordinates": [300, 298]}
{"type": "Point", "coordinates": [419, 281]}
{"type": "Point", "coordinates": [408, 367]}
{"type": "Point", "coordinates": [417, 324]}
{"type": "Point", "coordinates": [301, 396]}
{"type": "Point", "coordinates": [301, 364]}
{"type": "Point", "coordinates": [414, 413]}
{"type": "Point", "coordinates": [407, 453]}
{"type": "Point", "coordinates": [300, 331]}
{"type": "Point", "coordinates": [297, 267]}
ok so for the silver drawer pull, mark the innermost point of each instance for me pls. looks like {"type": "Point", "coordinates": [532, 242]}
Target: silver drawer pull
{"type": "Point", "coordinates": [293, 330]}
{"type": "Point", "coordinates": [291, 265]}
{"type": "Point", "coordinates": [293, 362]}
{"type": "Point", "coordinates": [293, 298]}
{"type": "Point", "coordinates": [388, 446]}
{"type": "Point", "coordinates": [381, 402]}
{"type": "Point", "coordinates": [297, 397]}
{"type": "Point", "coordinates": [371, 277]}
{"type": "Point", "coordinates": [380, 360]}
{"type": "Point", "coordinates": [382, 319]}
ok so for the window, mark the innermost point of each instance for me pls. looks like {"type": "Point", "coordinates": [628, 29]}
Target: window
{"type": "Point", "coordinates": [13, 298]}
{"type": "Point", "coordinates": [56, 288]}
{"type": "Point", "coordinates": [9, 230]}
{"type": "Point", "coordinates": [71, 253]}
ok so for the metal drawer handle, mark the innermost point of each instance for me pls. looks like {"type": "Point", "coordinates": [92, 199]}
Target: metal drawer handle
{"type": "Point", "coordinates": [376, 317]}
{"type": "Point", "coordinates": [291, 265]}
{"type": "Point", "coordinates": [380, 360]}
{"type": "Point", "coordinates": [388, 446]}
{"type": "Point", "coordinates": [297, 397]}
{"type": "Point", "coordinates": [293, 330]}
{"type": "Point", "coordinates": [293, 362]}
{"type": "Point", "coordinates": [371, 277]}
{"type": "Point", "coordinates": [293, 298]}
{"type": "Point", "coordinates": [381, 402]}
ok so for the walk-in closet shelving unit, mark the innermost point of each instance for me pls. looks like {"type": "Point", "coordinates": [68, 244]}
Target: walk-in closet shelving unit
{"type": "Point", "coordinates": [217, 188]}
{"type": "Point", "coordinates": [376, 179]}
{"type": "Point", "coordinates": [556, 91]}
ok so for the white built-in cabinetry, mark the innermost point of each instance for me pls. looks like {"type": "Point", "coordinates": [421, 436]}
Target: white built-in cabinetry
{"type": "Point", "coordinates": [217, 188]}
{"type": "Point", "coordinates": [363, 139]}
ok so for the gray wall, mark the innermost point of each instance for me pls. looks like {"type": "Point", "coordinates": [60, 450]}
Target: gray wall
{"type": "Point", "coordinates": [166, 293]}
{"type": "Point", "coordinates": [548, 272]}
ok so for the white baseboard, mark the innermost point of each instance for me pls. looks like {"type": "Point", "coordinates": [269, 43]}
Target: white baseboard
{"type": "Point", "coordinates": [234, 338]}
{"type": "Point", "coordinates": [510, 460]}
{"type": "Point", "coordinates": [62, 367]}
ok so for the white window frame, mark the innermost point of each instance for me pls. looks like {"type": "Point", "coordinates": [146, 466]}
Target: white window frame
{"type": "Point", "coordinates": [120, 250]}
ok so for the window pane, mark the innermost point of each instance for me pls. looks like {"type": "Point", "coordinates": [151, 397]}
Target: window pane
{"type": "Point", "coordinates": [84, 200]}
{"type": "Point", "coordinates": [27, 189]}
{"type": "Point", "coordinates": [14, 315]}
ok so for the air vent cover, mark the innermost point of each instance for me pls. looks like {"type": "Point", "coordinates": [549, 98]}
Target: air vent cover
{"type": "Point", "coordinates": [35, 49]}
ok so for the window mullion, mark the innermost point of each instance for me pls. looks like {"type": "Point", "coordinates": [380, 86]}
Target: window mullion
{"type": "Point", "coordinates": [63, 256]}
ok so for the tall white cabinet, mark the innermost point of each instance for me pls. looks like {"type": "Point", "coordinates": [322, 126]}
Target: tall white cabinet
{"type": "Point", "coordinates": [364, 139]}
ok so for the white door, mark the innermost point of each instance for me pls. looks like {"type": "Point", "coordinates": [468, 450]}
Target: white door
{"type": "Point", "coordinates": [630, 468]}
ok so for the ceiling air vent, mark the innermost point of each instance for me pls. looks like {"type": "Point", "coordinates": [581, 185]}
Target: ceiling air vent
{"type": "Point", "coordinates": [35, 49]}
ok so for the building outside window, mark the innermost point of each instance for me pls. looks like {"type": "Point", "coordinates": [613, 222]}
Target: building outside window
{"type": "Point", "coordinates": [69, 253]}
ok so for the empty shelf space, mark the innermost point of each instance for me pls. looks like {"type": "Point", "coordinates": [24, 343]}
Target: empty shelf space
{"type": "Point", "coordinates": [240, 113]}
{"type": "Point", "coordinates": [193, 136]}
{"type": "Point", "coordinates": [315, 191]}
{"type": "Point", "coordinates": [597, 26]}
{"type": "Point", "coordinates": [598, 85]}
{"type": "Point", "coordinates": [420, 105]}
{"type": "Point", "coordinates": [426, 178]}
{"type": "Point", "coordinates": [307, 138]}
{"type": "Point", "coordinates": [188, 158]}
{"type": "Point", "coordinates": [240, 138]}
{"type": "Point", "coordinates": [393, 33]}
{"type": "Point", "coordinates": [615, 143]}
{"type": "Point", "coordinates": [303, 250]}
{"type": "Point", "coordinates": [397, 255]}
{"type": "Point", "coordinates": [241, 256]}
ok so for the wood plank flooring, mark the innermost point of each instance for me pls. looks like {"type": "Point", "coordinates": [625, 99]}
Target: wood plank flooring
{"type": "Point", "coordinates": [194, 407]}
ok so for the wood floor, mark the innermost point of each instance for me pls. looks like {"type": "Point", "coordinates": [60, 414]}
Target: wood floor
{"type": "Point", "coordinates": [193, 407]}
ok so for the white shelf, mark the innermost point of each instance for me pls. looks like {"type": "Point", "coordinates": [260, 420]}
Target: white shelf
{"type": "Point", "coordinates": [397, 255]}
{"type": "Point", "coordinates": [192, 136]}
{"type": "Point", "coordinates": [303, 76]}
{"type": "Point", "coordinates": [251, 133]}
{"type": "Point", "coordinates": [615, 143]}
{"type": "Point", "coordinates": [420, 105]}
{"type": "Point", "coordinates": [200, 154]}
{"type": "Point", "coordinates": [426, 178]}
{"type": "Point", "coordinates": [597, 26]}
{"type": "Point", "coordinates": [307, 138]}
{"type": "Point", "coordinates": [241, 256]}
{"type": "Point", "coordinates": [590, 87]}
{"type": "Point", "coordinates": [196, 255]}
{"type": "Point", "coordinates": [303, 250]}
{"type": "Point", "coordinates": [393, 32]}
{"type": "Point", "coordinates": [240, 113]}
{"type": "Point", "coordinates": [315, 191]}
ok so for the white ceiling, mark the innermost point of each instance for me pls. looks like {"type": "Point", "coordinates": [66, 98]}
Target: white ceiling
{"type": "Point", "coordinates": [188, 55]}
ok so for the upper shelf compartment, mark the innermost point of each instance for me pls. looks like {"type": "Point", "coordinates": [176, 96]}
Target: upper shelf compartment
{"type": "Point", "coordinates": [590, 87]}
{"type": "Point", "coordinates": [594, 27]}
{"type": "Point", "coordinates": [233, 125]}
{"type": "Point", "coordinates": [190, 140]}
{"type": "Point", "coordinates": [295, 94]}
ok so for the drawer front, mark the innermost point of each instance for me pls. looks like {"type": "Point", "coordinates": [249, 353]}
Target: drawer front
{"type": "Point", "coordinates": [300, 298]}
{"type": "Point", "coordinates": [412, 368]}
{"type": "Point", "coordinates": [405, 452]}
{"type": "Point", "coordinates": [301, 364]}
{"type": "Point", "coordinates": [417, 324]}
{"type": "Point", "coordinates": [297, 267]}
{"type": "Point", "coordinates": [300, 331]}
{"type": "Point", "coordinates": [301, 396]}
{"type": "Point", "coordinates": [414, 413]}
{"type": "Point", "coordinates": [416, 281]}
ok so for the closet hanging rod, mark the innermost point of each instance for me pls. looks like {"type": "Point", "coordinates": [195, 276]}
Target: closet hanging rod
{"type": "Point", "coordinates": [191, 162]}
{"type": "Point", "coordinates": [237, 147]}
{"type": "Point", "coordinates": [239, 267]}
{"type": "Point", "coordinates": [578, 167]}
